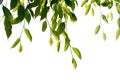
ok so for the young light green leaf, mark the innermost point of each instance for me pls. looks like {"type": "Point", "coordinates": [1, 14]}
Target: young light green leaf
{"type": "Point", "coordinates": [61, 28]}
{"type": "Point", "coordinates": [65, 17]}
{"type": "Point", "coordinates": [97, 29]}
{"type": "Point", "coordinates": [104, 36]}
{"type": "Point", "coordinates": [74, 63]}
{"type": "Point", "coordinates": [118, 7]}
{"type": "Point", "coordinates": [44, 26]}
{"type": "Point", "coordinates": [58, 46]}
{"type": "Point", "coordinates": [92, 12]}
{"type": "Point", "coordinates": [77, 52]}
{"type": "Point", "coordinates": [83, 3]}
{"type": "Point", "coordinates": [50, 41]}
{"type": "Point", "coordinates": [67, 44]}
{"type": "Point", "coordinates": [28, 34]}
{"type": "Point", "coordinates": [111, 15]}
{"type": "Point", "coordinates": [117, 33]}
{"type": "Point", "coordinates": [104, 18]}
{"type": "Point", "coordinates": [118, 22]}
{"type": "Point", "coordinates": [15, 43]}
{"type": "Point", "coordinates": [87, 9]}
{"type": "Point", "coordinates": [8, 27]}
{"type": "Point", "coordinates": [20, 48]}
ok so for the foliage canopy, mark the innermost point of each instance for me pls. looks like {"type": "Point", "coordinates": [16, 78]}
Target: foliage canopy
{"type": "Point", "coordinates": [62, 11]}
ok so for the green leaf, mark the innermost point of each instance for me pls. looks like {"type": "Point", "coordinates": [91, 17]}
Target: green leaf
{"type": "Point", "coordinates": [61, 28]}
{"type": "Point", "coordinates": [8, 27]}
{"type": "Point", "coordinates": [118, 7]}
{"type": "Point", "coordinates": [104, 36]}
{"type": "Point", "coordinates": [92, 12]}
{"type": "Point", "coordinates": [83, 3]}
{"type": "Point", "coordinates": [34, 4]}
{"type": "Point", "coordinates": [110, 5]}
{"type": "Point", "coordinates": [98, 2]}
{"type": "Point", "coordinates": [44, 12]}
{"type": "Point", "coordinates": [37, 11]}
{"type": "Point", "coordinates": [105, 4]}
{"type": "Point", "coordinates": [77, 52]}
{"type": "Point", "coordinates": [1, 1]}
{"type": "Point", "coordinates": [74, 63]}
{"type": "Point", "coordinates": [67, 44]}
{"type": "Point", "coordinates": [117, 33]}
{"type": "Point", "coordinates": [104, 18]}
{"type": "Point", "coordinates": [51, 41]}
{"type": "Point", "coordinates": [27, 16]}
{"type": "Point", "coordinates": [58, 46]}
{"type": "Point", "coordinates": [44, 26]}
{"type": "Point", "coordinates": [20, 48]}
{"type": "Point", "coordinates": [73, 17]}
{"type": "Point", "coordinates": [13, 3]}
{"type": "Point", "coordinates": [111, 15]}
{"type": "Point", "coordinates": [65, 17]}
{"type": "Point", "coordinates": [97, 29]}
{"type": "Point", "coordinates": [55, 34]}
{"type": "Point", "coordinates": [118, 22]}
{"type": "Point", "coordinates": [15, 43]}
{"type": "Point", "coordinates": [87, 9]}
{"type": "Point", "coordinates": [7, 13]}
{"type": "Point", "coordinates": [54, 25]}
{"type": "Point", "coordinates": [28, 34]}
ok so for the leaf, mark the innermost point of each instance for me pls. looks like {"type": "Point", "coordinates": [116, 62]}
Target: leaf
{"type": "Point", "coordinates": [67, 44]}
{"type": "Point", "coordinates": [51, 41]}
{"type": "Point", "coordinates": [97, 29]}
{"type": "Point", "coordinates": [92, 12]}
{"type": "Point", "coordinates": [13, 3]}
{"type": "Point", "coordinates": [61, 28]}
{"type": "Point", "coordinates": [104, 36]}
{"type": "Point", "coordinates": [73, 17]}
{"type": "Point", "coordinates": [55, 34]}
{"type": "Point", "coordinates": [1, 1]}
{"type": "Point", "coordinates": [44, 26]}
{"type": "Point", "coordinates": [58, 46]}
{"type": "Point", "coordinates": [118, 22]}
{"type": "Point", "coordinates": [118, 8]}
{"type": "Point", "coordinates": [44, 12]}
{"type": "Point", "coordinates": [87, 9]}
{"type": "Point", "coordinates": [7, 13]}
{"type": "Point", "coordinates": [74, 63]}
{"type": "Point", "coordinates": [28, 34]}
{"type": "Point", "coordinates": [15, 43]}
{"type": "Point", "coordinates": [8, 27]}
{"type": "Point", "coordinates": [77, 52]}
{"type": "Point", "coordinates": [27, 16]}
{"type": "Point", "coordinates": [20, 48]}
{"type": "Point", "coordinates": [104, 18]}
{"type": "Point", "coordinates": [117, 33]}
{"type": "Point", "coordinates": [83, 3]}
{"type": "Point", "coordinates": [110, 5]}
{"type": "Point", "coordinates": [111, 15]}
{"type": "Point", "coordinates": [65, 17]}
{"type": "Point", "coordinates": [37, 11]}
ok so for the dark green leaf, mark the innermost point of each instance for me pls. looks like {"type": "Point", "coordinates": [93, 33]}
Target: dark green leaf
{"type": "Point", "coordinates": [58, 46]}
{"type": "Point", "coordinates": [8, 27]}
{"type": "Point", "coordinates": [44, 26]}
{"type": "Point", "coordinates": [44, 12]}
{"type": "Point", "coordinates": [74, 63]}
{"type": "Point", "coordinates": [105, 4]}
{"type": "Point", "coordinates": [27, 16]}
{"type": "Point", "coordinates": [15, 43]}
{"type": "Point", "coordinates": [28, 34]}
{"type": "Point", "coordinates": [73, 17]}
{"type": "Point", "coordinates": [110, 5]}
{"type": "Point", "coordinates": [77, 52]}
{"type": "Point", "coordinates": [1, 1]}
{"type": "Point", "coordinates": [13, 3]}
{"type": "Point", "coordinates": [7, 13]}
{"type": "Point", "coordinates": [61, 28]}
{"type": "Point", "coordinates": [34, 4]}
{"type": "Point", "coordinates": [37, 11]}
{"type": "Point", "coordinates": [97, 29]}
{"type": "Point", "coordinates": [98, 2]}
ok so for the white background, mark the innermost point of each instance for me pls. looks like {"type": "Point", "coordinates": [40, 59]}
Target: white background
{"type": "Point", "coordinates": [39, 61]}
